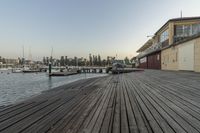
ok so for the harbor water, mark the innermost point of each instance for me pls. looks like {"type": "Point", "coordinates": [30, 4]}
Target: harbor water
{"type": "Point", "coordinates": [16, 87]}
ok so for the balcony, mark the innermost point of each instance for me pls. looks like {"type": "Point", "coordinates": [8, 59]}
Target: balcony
{"type": "Point", "coordinates": [178, 38]}
{"type": "Point", "coordinates": [153, 48]}
{"type": "Point", "coordinates": [165, 43]}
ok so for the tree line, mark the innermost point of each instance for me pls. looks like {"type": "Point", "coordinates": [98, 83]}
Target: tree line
{"type": "Point", "coordinates": [93, 60]}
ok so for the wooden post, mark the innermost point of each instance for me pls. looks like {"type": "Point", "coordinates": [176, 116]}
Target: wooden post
{"type": "Point", "coordinates": [49, 68]}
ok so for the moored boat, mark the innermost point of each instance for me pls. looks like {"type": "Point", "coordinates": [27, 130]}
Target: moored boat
{"type": "Point", "coordinates": [17, 70]}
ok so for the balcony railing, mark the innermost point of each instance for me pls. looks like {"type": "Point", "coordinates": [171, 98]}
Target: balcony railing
{"type": "Point", "coordinates": [164, 44]}
{"type": "Point", "coordinates": [151, 49]}
{"type": "Point", "coordinates": [179, 38]}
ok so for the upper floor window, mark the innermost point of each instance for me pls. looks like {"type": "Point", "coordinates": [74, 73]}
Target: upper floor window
{"type": "Point", "coordinates": [187, 30]}
{"type": "Point", "coordinates": [164, 36]}
{"type": "Point", "coordinates": [195, 29]}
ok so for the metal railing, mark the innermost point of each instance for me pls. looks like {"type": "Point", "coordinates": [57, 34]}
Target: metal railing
{"type": "Point", "coordinates": [154, 47]}
{"type": "Point", "coordinates": [178, 38]}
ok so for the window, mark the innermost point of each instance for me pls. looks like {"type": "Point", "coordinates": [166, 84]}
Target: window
{"type": "Point", "coordinates": [179, 30]}
{"type": "Point", "coordinates": [195, 29]}
{"type": "Point", "coordinates": [143, 60]}
{"type": "Point", "coordinates": [183, 30]}
{"type": "Point", "coordinates": [164, 36]}
{"type": "Point", "coordinates": [187, 30]}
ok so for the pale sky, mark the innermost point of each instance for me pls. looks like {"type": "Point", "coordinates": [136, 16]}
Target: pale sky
{"type": "Point", "coordinates": [80, 27]}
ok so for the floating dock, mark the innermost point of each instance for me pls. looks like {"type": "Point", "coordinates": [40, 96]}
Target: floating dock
{"type": "Point", "coordinates": [139, 102]}
{"type": "Point", "coordinates": [31, 71]}
{"type": "Point", "coordinates": [62, 73]}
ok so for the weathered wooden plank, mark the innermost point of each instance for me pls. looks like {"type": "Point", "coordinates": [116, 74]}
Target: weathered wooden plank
{"type": "Point", "coordinates": [77, 124]}
{"type": "Point", "coordinates": [123, 113]}
{"type": "Point", "coordinates": [154, 124]}
{"type": "Point", "coordinates": [60, 125]}
{"type": "Point", "coordinates": [160, 115]}
{"type": "Point", "coordinates": [141, 122]}
{"type": "Point", "coordinates": [92, 118]}
{"type": "Point", "coordinates": [133, 127]}
{"type": "Point", "coordinates": [116, 127]}
{"type": "Point", "coordinates": [185, 125]}
{"type": "Point", "coordinates": [102, 112]}
{"type": "Point", "coordinates": [56, 115]}
{"type": "Point", "coordinates": [146, 102]}
{"type": "Point", "coordinates": [77, 115]}
{"type": "Point", "coordinates": [106, 126]}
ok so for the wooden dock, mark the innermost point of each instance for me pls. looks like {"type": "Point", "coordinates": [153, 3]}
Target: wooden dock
{"type": "Point", "coordinates": [139, 102]}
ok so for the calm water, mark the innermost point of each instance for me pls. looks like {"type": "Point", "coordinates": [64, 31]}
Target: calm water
{"type": "Point", "coordinates": [15, 87]}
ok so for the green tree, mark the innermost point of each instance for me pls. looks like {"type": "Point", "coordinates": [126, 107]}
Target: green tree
{"type": "Point", "coordinates": [127, 61]}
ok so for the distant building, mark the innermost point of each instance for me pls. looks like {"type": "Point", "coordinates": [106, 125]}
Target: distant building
{"type": "Point", "coordinates": [12, 61]}
{"type": "Point", "coordinates": [175, 46]}
{"type": "Point", "coordinates": [4, 63]}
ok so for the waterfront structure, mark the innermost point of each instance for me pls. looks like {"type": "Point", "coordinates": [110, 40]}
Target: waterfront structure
{"type": "Point", "coordinates": [4, 63]}
{"type": "Point", "coordinates": [175, 46]}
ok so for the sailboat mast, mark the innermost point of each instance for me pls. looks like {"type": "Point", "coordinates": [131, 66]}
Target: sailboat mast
{"type": "Point", "coordinates": [51, 58]}
{"type": "Point", "coordinates": [23, 50]}
{"type": "Point", "coordinates": [50, 62]}
{"type": "Point", "coordinates": [23, 59]}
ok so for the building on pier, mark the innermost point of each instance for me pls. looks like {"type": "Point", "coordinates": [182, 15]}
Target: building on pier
{"type": "Point", "coordinates": [175, 46]}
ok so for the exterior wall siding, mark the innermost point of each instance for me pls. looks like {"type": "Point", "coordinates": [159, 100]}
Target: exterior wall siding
{"type": "Point", "coordinates": [197, 56]}
{"type": "Point", "coordinates": [169, 59]}
{"type": "Point", "coordinates": [186, 56]}
{"type": "Point", "coordinates": [171, 33]}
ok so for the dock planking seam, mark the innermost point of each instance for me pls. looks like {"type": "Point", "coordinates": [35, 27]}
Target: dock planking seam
{"type": "Point", "coordinates": [81, 93]}
{"type": "Point", "coordinates": [181, 120]}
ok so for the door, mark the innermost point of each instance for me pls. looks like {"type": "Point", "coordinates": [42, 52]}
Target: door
{"type": "Point", "coordinates": [186, 56]}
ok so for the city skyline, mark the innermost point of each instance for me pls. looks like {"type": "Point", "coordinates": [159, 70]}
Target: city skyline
{"type": "Point", "coordinates": [81, 27]}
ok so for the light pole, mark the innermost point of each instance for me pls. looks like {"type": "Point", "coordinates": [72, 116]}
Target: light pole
{"type": "Point", "coordinates": [77, 62]}
{"type": "Point", "coordinates": [150, 36]}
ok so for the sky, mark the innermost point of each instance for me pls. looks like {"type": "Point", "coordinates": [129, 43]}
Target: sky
{"type": "Point", "coordinates": [79, 27]}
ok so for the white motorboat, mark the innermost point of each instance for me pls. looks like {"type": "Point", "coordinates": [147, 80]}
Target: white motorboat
{"type": "Point", "coordinates": [17, 70]}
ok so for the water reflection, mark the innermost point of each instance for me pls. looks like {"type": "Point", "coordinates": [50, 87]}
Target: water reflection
{"type": "Point", "coordinates": [50, 84]}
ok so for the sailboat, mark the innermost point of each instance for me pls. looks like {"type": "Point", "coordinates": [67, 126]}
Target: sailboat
{"type": "Point", "coordinates": [27, 68]}
{"type": "Point", "coordinates": [19, 69]}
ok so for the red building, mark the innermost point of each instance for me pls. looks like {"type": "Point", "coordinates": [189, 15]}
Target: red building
{"type": "Point", "coordinates": [154, 61]}
{"type": "Point", "coordinates": [150, 56]}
